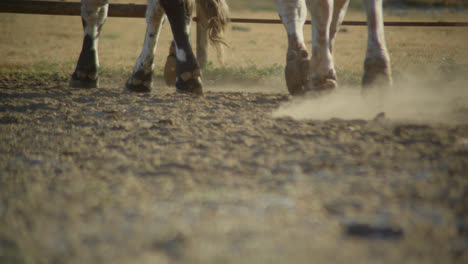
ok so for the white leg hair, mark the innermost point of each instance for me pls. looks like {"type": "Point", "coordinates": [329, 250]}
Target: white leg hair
{"type": "Point", "coordinates": [94, 13]}
{"type": "Point", "coordinates": [322, 68]}
{"type": "Point", "coordinates": [339, 12]}
{"type": "Point", "coordinates": [293, 14]}
{"type": "Point", "coordinates": [327, 16]}
{"type": "Point", "coordinates": [376, 46]}
{"type": "Point", "coordinates": [377, 68]}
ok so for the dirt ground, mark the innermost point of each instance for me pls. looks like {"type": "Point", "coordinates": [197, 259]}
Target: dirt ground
{"type": "Point", "coordinates": [244, 174]}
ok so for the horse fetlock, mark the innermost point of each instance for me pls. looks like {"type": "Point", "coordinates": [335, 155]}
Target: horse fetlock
{"type": "Point", "coordinates": [196, 73]}
{"type": "Point", "coordinates": [294, 54]}
{"type": "Point", "coordinates": [185, 76]}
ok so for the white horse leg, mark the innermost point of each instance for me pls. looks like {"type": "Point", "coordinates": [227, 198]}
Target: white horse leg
{"type": "Point", "coordinates": [323, 75]}
{"type": "Point", "coordinates": [339, 12]}
{"type": "Point", "coordinates": [293, 14]}
{"type": "Point", "coordinates": [141, 79]}
{"type": "Point", "coordinates": [93, 15]}
{"type": "Point", "coordinates": [377, 69]}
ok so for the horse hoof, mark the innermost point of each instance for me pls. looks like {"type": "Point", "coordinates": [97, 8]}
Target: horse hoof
{"type": "Point", "coordinates": [377, 74]}
{"type": "Point", "coordinates": [322, 84]}
{"type": "Point", "coordinates": [297, 71]}
{"type": "Point", "coordinates": [138, 86]}
{"type": "Point", "coordinates": [324, 88]}
{"type": "Point", "coordinates": [139, 82]}
{"type": "Point", "coordinates": [191, 86]}
{"type": "Point", "coordinates": [83, 80]}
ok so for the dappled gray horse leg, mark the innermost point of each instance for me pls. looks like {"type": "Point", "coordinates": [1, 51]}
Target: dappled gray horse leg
{"type": "Point", "coordinates": [377, 69]}
{"type": "Point", "coordinates": [293, 15]}
{"type": "Point", "coordinates": [93, 14]}
{"type": "Point", "coordinates": [142, 76]}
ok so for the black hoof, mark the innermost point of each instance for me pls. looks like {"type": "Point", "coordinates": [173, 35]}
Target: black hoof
{"type": "Point", "coordinates": [191, 86]}
{"type": "Point", "coordinates": [297, 72]}
{"type": "Point", "coordinates": [377, 73]}
{"type": "Point", "coordinates": [138, 88]}
{"type": "Point", "coordinates": [83, 81]}
{"type": "Point", "coordinates": [139, 82]}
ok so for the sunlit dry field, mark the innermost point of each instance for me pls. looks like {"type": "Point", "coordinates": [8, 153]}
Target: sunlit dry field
{"type": "Point", "coordinates": [244, 174]}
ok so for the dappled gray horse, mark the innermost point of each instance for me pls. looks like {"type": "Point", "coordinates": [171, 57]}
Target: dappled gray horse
{"type": "Point", "coordinates": [179, 14]}
{"type": "Point", "coordinates": [318, 74]}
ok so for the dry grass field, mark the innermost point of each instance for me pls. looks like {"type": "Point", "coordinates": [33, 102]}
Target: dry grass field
{"type": "Point", "coordinates": [244, 174]}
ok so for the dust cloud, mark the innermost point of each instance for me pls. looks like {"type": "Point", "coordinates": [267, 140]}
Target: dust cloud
{"type": "Point", "coordinates": [429, 98]}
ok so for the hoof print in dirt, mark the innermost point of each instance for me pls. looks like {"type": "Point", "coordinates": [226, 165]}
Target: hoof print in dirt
{"type": "Point", "coordinates": [83, 80]}
{"type": "Point", "coordinates": [139, 82]}
{"type": "Point", "coordinates": [362, 230]}
{"type": "Point", "coordinates": [190, 83]}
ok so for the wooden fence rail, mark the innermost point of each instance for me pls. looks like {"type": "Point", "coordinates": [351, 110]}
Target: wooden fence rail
{"type": "Point", "coordinates": [133, 10]}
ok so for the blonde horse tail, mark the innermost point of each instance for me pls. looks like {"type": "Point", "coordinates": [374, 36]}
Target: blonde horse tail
{"type": "Point", "coordinates": [215, 13]}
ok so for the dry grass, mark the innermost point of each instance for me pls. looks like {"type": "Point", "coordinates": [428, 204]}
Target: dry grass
{"type": "Point", "coordinates": [52, 43]}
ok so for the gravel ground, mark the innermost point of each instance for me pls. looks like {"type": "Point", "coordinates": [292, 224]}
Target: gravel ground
{"type": "Point", "coordinates": [101, 176]}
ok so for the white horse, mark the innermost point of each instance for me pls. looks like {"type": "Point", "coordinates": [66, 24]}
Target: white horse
{"type": "Point", "coordinates": [318, 74]}
{"type": "Point", "coordinates": [214, 14]}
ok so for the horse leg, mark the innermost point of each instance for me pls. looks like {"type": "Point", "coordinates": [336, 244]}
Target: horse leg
{"type": "Point", "coordinates": [93, 16]}
{"type": "Point", "coordinates": [323, 75]}
{"type": "Point", "coordinates": [293, 14]}
{"type": "Point", "coordinates": [377, 69]}
{"type": "Point", "coordinates": [142, 76]}
{"type": "Point", "coordinates": [179, 13]}
{"type": "Point", "coordinates": [339, 12]}
{"type": "Point", "coordinates": [213, 15]}
{"type": "Point", "coordinates": [170, 68]}
{"type": "Point", "coordinates": [202, 35]}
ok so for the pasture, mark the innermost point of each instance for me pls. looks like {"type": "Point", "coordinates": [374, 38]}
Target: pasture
{"type": "Point", "coordinates": [244, 174]}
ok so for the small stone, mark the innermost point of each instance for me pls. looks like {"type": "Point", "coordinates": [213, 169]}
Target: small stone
{"type": "Point", "coordinates": [363, 230]}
